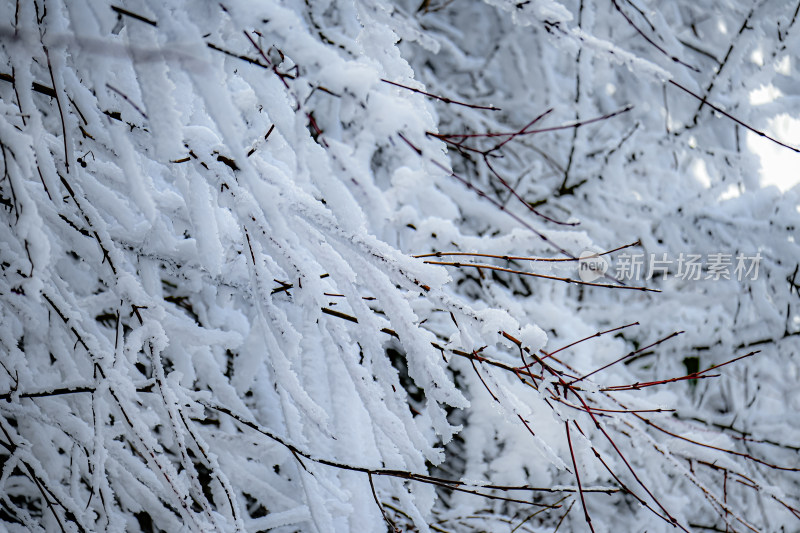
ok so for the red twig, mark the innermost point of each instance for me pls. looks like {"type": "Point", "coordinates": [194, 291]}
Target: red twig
{"type": "Point", "coordinates": [717, 448]}
{"type": "Point", "coordinates": [626, 356]}
{"type": "Point", "coordinates": [519, 198]}
{"type": "Point", "coordinates": [475, 368]}
{"type": "Point", "coordinates": [598, 334]}
{"type": "Point", "coordinates": [696, 375]}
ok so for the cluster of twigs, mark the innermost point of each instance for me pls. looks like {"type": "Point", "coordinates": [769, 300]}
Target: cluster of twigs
{"type": "Point", "coordinates": [533, 371]}
{"type": "Point", "coordinates": [566, 378]}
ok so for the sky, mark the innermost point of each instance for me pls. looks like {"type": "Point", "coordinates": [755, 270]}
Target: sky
{"type": "Point", "coordinates": [779, 166]}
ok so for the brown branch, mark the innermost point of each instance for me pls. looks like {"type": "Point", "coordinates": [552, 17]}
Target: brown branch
{"type": "Point", "coordinates": [441, 98]}
{"type": "Point", "coordinates": [60, 110]}
{"type": "Point", "coordinates": [503, 208]}
{"type": "Point", "coordinates": [535, 275]}
{"type": "Point", "coordinates": [127, 13]}
{"type": "Point", "coordinates": [626, 356]}
{"type": "Point", "coordinates": [578, 479]}
{"type": "Point", "coordinates": [125, 97]}
{"type": "Point", "coordinates": [717, 448]}
{"type": "Point", "coordinates": [519, 198]}
{"type": "Point", "coordinates": [402, 474]}
{"type": "Point", "coordinates": [37, 87]}
{"type": "Point", "coordinates": [731, 117]}
{"type": "Point", "coordinates": [569, 388]}
{"type": "Point", "coordinates": [560, 520]}
{"type": "Point", "coordinates": [722, 64]}
{"type": "Point", "coordinates": [576, 124]}
{"type": "Point", "coordinates": [695, 375]}
{"type": "Point", "coordinates": [386, 517]}
{"type": "Point", "coordinates": [651, 41]}
{"type": "Point", "coordinates": [8, 396]}
{"type": "Point", "coordinates": [598, 334]}
{"type": "Point", "coordinates": [237, 56]}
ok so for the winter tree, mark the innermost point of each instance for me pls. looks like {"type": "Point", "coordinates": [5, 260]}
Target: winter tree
{"type": "Point", "coordinates": [411, 265]}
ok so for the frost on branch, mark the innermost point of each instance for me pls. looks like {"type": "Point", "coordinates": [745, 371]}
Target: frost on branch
{"type": "Point", "coordinates": [290, 266]}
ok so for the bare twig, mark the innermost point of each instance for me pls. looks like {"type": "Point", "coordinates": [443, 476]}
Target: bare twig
{"type": "Point", "coordinates": [441, 98]}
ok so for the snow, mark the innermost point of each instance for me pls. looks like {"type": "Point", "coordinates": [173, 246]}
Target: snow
{"type": "Point", "coordinates": [247, 284]}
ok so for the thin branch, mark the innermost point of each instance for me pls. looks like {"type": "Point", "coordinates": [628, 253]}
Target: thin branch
{"type": "Point", "coordinates": [731, 117]}
{"type": "Point", "coordinates": [60, 110]}
{"type": "Point", "coordinates": [132, 15]}
{"type": "Point", "coordinates": [576, 124]}
{"type": "Point", "coordinates": [696, 375]}
{"type": "Point", "coordinates": [37, 87]}
{"type": "Point", "coordinates": [61, 391]}
{"type": "Point", "coordinates": [578, 479]}
{"type": "Point", "coordinates": [598, 334]}
{"type": "Point", "coordinates": [626, 356]}
{"type": "Point", "coordinates": [442, 98]}
{"type": "Point", "coordinates": [651, 41]}
{"type": "Point", "coordinates": [125, 97]}
{"type": "Point", "coordinates": [521, 258]}
{"type": "Point", "coordinates": [403, 474]}
{"type": "Point", "coordinates": [560, 520]}
{"type": "Point", "coordinates": [386, 517]}
{"type": "Point", "coordinates": [535, 275]}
